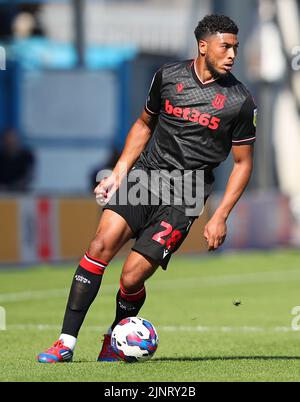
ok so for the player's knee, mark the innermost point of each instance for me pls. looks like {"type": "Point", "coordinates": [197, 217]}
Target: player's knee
{"type": "Point", "coordinates": [98, 248]}
{"type": "Point", "coordinates": [131, 283]}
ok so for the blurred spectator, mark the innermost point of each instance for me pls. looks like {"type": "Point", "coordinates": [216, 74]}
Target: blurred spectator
{"type": "Point", "coordinates": [16, 164]}
{"type": "Point", "coordinates": [26, 25]}
{"type": "Point", "coordinates": [23, 25]}
{"type": "Point", "coordinates": [19, 20]}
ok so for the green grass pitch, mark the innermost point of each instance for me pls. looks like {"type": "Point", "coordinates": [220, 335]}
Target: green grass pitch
{"type": "Point", "coordinates": [203, 336]}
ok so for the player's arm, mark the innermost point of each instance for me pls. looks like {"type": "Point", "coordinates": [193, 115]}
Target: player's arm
{"type": "Point", "coordinates": [243, 138]}
{"type": "Point", "coordinates": [140, 133]}
{"type": "Point", "coordinates": [216, 229]}
{"type": "Point", "coordinates": [136, 141]}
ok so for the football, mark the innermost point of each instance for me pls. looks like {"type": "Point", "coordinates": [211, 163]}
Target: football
{"type": "Point", "coordinates": [134, 339]}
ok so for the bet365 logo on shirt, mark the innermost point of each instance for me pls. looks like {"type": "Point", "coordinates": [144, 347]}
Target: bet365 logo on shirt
{"type": "Point", "coordinates": [193, 115]}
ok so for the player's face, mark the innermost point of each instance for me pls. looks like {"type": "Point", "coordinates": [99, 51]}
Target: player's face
{"type": "Point", "coordinates": [220, 53]}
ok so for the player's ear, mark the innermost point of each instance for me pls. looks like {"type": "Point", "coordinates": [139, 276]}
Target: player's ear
{"type": "Point", "coordinates": [202, 47]}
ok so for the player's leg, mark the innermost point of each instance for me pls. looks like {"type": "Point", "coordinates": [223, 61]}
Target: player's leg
{"type": "Point", "coordinates": [161, 236]}
{"type": "Point", "coordinates": [131, 295]}
{"type": "Point", "coordinates": [112, 233]}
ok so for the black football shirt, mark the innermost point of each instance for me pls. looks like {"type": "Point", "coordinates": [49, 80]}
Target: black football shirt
{"type": "Point", "coordinates": [197, 123]}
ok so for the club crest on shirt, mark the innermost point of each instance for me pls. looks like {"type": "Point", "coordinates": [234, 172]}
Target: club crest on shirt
{"type": "Point", "coordinates": [219, 101]}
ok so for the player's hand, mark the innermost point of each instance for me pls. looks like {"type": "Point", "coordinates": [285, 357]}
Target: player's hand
{"type": "Point", "coordinates": [215, 233]}
{"type": "Point", "coordinates": [106, 189]}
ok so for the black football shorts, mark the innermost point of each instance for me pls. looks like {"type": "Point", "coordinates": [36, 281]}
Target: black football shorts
{"type": "Point", "coordinates": [159, 230]}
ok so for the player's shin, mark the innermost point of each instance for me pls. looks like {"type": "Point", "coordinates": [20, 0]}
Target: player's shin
{"type": "Point", "coordinates": [128, 304]}
{"type": "Point", "coordinates": [84, 289]}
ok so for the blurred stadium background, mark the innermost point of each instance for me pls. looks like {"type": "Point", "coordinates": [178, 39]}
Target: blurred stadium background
{"type": "Point", "coordinates": [74, 76]}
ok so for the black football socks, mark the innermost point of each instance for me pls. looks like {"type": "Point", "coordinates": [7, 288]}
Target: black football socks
{"type": "Point", "coordinates": [128, 304]}
{"type": "Point", "coordinates": [84, 289]}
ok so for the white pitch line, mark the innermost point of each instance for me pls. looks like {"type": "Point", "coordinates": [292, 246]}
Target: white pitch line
{"type": "Point", "coordinates": [224, 280]}
{"type": "Point", "coordinates": [184, 283]}
{"type": "Point", "coordinates": [162, 328]}
{"type": "Point", "coordinates": [32, 295]}
{"type": "Point", "coordinates": [43, 294]}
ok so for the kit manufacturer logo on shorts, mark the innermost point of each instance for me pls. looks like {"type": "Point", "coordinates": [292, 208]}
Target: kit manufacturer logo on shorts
{"type": "Point", "coordinates": [189, 225]}
{"type": "Point", "coordinates": [166, 252]}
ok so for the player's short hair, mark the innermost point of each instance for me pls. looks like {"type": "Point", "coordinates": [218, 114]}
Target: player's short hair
{"type": "Point", "coordinates": [213, 24]}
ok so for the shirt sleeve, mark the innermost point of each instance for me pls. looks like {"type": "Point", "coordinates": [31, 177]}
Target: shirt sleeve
{"type": "Point", "coordinates": [244, 128]}
{"type": "Point", "coordinates": [153, 102]}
